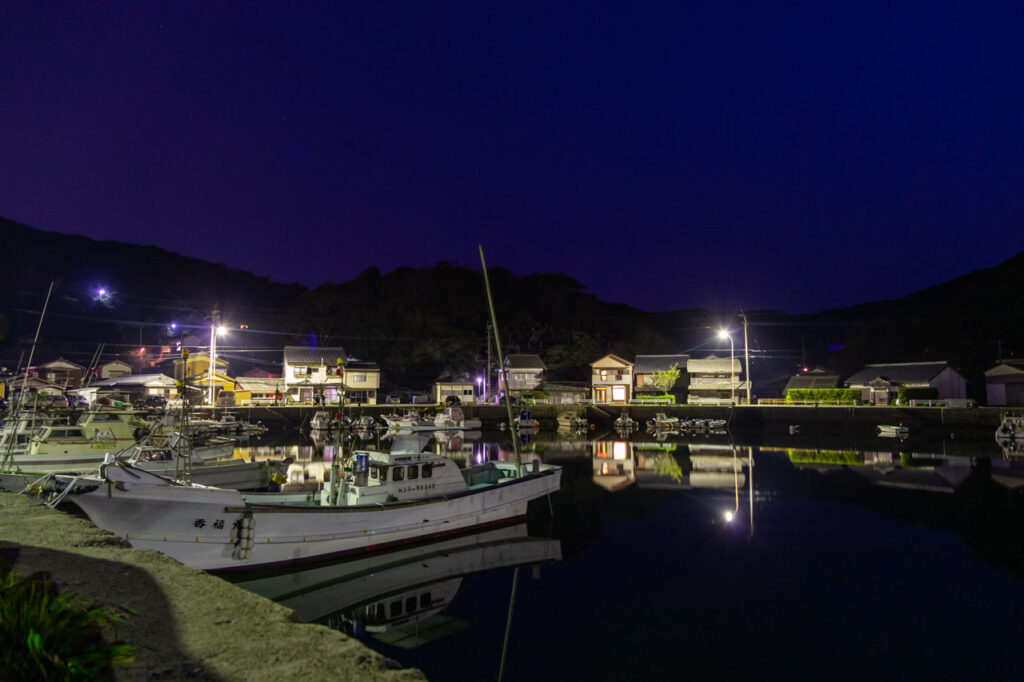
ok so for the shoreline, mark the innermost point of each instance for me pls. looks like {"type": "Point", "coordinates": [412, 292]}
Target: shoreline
{"type": "Point", "coordinates": [182, 622]}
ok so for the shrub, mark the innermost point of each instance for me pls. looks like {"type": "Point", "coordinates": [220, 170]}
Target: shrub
{"type": "Point", "coordinates": [49, 636]}
{"type": "Point", "coordinates": [849, 396]}
{"type": "Point", "coordinates": [905, 395]}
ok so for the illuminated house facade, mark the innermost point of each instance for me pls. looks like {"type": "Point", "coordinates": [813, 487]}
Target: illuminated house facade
{"type": "Point", "coordinates": [611, 380]}
{"type": "Point", "coordinates": [715, 380]}
{"type": "Point", "coordinates": [324, 374]}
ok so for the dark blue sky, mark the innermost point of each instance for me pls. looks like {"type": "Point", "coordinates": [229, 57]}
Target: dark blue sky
{"type": "Point", "coordinates": [798, 156]}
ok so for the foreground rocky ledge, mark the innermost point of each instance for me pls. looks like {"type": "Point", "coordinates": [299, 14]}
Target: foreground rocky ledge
{"type": "Point", "coordinates": [183, 622]}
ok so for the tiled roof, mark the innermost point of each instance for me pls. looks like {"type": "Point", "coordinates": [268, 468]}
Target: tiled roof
{"type": "Point", "coordinates": [524, 361]}
{"type": "Point", "coordinates": [645, 364]}
{"type": "Point", "coordinates": [362, 364]}
{"type": "Point", "coordinates": [812, 380]}
{"type": "Point", "coordinates": [313, 355]}
{"type": "Point", "coordinates": [898, 373]}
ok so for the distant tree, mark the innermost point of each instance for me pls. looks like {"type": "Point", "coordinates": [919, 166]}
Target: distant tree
{"type": "Point", "coordinates": [666, 378]}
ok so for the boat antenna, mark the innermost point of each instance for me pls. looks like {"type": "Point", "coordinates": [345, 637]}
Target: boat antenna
{"type": "Point", "coordinates": [504, 374]}
{"type": "Point", "coordinates": [8, 453]}
{"type": "Point", "coordinates": [39, 327]}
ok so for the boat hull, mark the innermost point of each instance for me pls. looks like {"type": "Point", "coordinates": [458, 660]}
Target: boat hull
{"type": "Point", "coordinates": [208, 528]}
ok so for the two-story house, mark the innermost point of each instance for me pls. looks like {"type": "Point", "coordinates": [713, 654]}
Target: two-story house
{"type": "Point", "coordinates": [611, 380]}
{"type": "Point", "coordinates": [361, 381]}
{"type": "Point", "coordinates": [61, 372]}
{"type": "Point", "coordinates": [715, 380]}
{"type": "Point", "coordinates": [523, 371]}
{"type": "Point", "coordinates": [113, 369]}
{"type": "Point", "coordinates": [314, 374]}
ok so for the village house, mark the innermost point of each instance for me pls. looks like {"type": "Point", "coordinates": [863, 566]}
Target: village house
{"type": "Point", "coordinates": [1004, 384]}
{"type": "Point", "coordinates": [817, 378]}
{"type": "Point", "coordinates": [715, 380]}
{"type": "Point", "coordinates": [131, 387]}
{"type": "Point", "coordinates": [258, 390]}
{"type": "Point", "coordinates": [523, 371]}
{"type": "Point", "coordinates": [114, 368]}
{"type": "Point", "coordinates": [61, 372]}
{"type": "Point", "coordinates": [313, 374]}
{"type": "Point", "coordinates": [361, 382]}
{"type": "Point", "coordinates": [442, 390]}
{"type": "Point", "coordinates": [879, 384]}
{"type": "Point", "coordinates": [611, 380]}
{"type": "Point", "coordinates": [645, 368]}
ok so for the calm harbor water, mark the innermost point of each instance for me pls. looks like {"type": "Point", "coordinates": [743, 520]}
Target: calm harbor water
{"type": "Point", "coordinates": [707, 557]}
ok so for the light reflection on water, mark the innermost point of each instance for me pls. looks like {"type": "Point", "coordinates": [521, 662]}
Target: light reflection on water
{"type": "Point", "coordinates": [787, 542]}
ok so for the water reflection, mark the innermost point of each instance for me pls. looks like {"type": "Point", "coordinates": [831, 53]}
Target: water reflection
{"type": "Point", "coordinates": [399, 598]}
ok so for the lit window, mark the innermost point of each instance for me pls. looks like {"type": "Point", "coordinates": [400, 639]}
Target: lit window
{"type": "Point", "coordinates": [619, 393]}
{"type": "Point", "coordinates": [618, 450]}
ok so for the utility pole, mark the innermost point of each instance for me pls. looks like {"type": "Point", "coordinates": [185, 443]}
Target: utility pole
{"type": "Point", "coordinates": [746, 353]}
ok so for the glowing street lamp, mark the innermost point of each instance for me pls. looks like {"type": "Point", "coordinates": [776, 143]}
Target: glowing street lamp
{"type": "Point", "coordinates": [215, 331]}
{"type": "Point", "coordinates": [724, 334]}
{"type": "Point", "coordinates": [479, 386]}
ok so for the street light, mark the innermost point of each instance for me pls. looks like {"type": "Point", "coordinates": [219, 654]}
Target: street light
{"type": "Point", "coordinates": [724, 334]}
{"type": "Point", "coordinates": [479, 387]}
{"type": "Point", "coordinates": [215, 331]}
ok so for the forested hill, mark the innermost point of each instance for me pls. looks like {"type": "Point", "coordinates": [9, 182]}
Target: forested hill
{"type": "Point", "coordinates": [968, 321]}
{"type": "Point", "coordinates": [420, 324]}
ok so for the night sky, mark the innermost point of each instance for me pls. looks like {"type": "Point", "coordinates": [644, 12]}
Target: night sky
{"type": "Point", "coordinates": [796, 156]}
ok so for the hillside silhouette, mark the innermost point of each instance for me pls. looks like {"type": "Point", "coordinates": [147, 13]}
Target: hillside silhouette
{"type": "Point", "coordinates": [421, 324]}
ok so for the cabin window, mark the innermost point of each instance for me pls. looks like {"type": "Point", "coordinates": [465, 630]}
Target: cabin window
{"type": "Point", "coordinates": [398, 473]}
{"type": "Point", "coordinates": [396, 608]}
{"type": "Point", "coordinates": [410, 604]}
{"type": "Point", "coordinates": [414, 471]}
{"type": "Point", "coordinates": [428, 470]}
{"type": "Point", "coordinates": [425, 600]}
{"type": "Point", "coordinates": [374, 473]}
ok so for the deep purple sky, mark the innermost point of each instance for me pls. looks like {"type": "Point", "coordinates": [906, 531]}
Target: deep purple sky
{"type": "Point", "coordinates": [797, 156]}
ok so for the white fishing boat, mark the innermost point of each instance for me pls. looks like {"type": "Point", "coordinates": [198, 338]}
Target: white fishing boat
{"type": "Point", "coordinates": [392, 499]}
{"type": "Point", "coordinates": [526, 422]}
{"type": "Point", "coordinates": [60, 447]}
{"type": "Point", "coordinates": [661, 421]}
{"type": "Point", "coordinates": [892, 431]}
{"type": "Point", "coordinates": [625, 422]}
{"type": "Point", "coordinates": [126, 426]}
{"type": "Point", "coordinates": [410, 420]}
{"type": "Point", "coordinates": [453, 418]}
{"type": "Point", "coordinates": [571, 420]}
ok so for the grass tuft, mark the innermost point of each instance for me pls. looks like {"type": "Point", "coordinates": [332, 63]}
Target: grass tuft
{"type": "Point", "coordinates": [45, 635]}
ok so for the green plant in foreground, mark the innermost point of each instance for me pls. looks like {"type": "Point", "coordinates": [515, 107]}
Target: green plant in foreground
{"type": "Point", "coordinates": [49, 636]}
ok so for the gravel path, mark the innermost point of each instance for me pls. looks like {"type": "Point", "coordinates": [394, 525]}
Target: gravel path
{"type": "Point", "coordinates": [184, 623]}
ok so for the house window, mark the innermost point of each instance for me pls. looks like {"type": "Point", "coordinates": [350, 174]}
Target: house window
{"type": "Point", "coordinates": [300, 371]}
{"type": "Point", "coordinates": [396, 608]}
{"type": "Point", "coordinates": [358, 378]}
{"type": "Point", "coordinates": [619, 394]}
